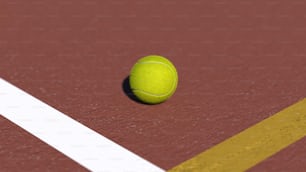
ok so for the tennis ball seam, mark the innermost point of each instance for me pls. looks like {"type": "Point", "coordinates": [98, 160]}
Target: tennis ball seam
{"type": "Point", "coordinates": [173, 84]}
{"type": "Point", "coordinates": [150, 94]}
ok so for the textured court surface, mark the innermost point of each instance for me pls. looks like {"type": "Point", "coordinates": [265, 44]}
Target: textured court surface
{"type": "Point", "coordinates": [238, 62]}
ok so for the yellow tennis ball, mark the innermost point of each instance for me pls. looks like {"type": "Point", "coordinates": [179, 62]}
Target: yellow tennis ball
{"type": "Point", "coordinates": [153, 79]}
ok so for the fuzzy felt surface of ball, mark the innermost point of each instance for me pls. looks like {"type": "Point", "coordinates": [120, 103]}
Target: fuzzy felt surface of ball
{"type": "Point", "coordinates": [153, 79]}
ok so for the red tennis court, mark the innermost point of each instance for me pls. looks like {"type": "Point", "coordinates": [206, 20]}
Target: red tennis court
{"type": "Point", "coordinates": [238, 62]}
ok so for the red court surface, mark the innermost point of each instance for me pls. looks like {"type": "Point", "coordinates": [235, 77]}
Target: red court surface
{"type": "Point", "coordinates": [238, 62]}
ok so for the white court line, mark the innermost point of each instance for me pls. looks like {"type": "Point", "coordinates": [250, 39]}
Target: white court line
{"type": "Point", "coordinates": [85, 146]}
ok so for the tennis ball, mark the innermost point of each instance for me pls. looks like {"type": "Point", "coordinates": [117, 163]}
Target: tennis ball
{"type": "Point", "coordinates": [153, 79]}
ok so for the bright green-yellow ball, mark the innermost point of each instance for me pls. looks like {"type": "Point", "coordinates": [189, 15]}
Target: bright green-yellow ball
{"type": "Point", "coordinates": [153, 79]}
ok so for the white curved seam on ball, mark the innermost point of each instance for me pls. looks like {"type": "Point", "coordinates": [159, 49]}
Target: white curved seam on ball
{"type": "Point", "coordinates": [151, 94]}
{"type": "Point", "coordinates": [168, 66]}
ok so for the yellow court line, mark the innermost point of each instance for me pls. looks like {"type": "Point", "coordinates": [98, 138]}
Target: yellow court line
{"type": "Point", "coordinates": [253, 145]}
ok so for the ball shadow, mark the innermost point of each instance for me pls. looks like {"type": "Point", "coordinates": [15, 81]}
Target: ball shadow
{"type": "Point", "coordinates": [128, 91]}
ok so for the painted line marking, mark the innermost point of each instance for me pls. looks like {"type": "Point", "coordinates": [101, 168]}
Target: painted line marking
{"type": "Point", "coordinates": [85, 146]}
{"type": "Point", "coordinates": [253, 145]}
